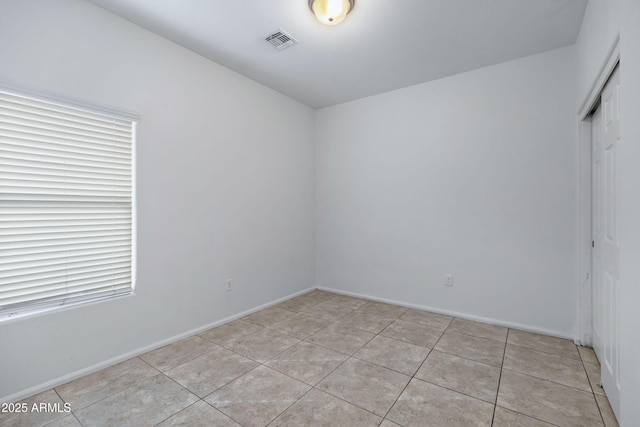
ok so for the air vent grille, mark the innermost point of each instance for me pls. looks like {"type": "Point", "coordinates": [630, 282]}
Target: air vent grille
{"type": "Point", "coordinates": [281, 40]}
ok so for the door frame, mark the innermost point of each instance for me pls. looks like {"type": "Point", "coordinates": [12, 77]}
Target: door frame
{"type": "Point", "coordinates": [584, 334]}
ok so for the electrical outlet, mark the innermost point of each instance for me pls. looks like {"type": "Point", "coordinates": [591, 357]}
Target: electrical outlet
{"type": "Point", "coordinates": [448, 279]}
{"type": "Point", "coordinates": [229, 285]}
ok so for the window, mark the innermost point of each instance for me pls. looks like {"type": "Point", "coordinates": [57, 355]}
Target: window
{"type": "Point", "coordinates": [66, 201]}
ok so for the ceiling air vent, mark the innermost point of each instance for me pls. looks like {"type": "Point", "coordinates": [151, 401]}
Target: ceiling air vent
{"type": "Point", "coordinates": [281, 40]}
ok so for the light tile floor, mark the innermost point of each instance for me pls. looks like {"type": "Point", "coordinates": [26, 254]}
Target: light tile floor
{"type": "Point", "coordinates": [323, 359]}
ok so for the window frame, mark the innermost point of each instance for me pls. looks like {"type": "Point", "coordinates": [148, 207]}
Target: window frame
{"type": "Point", "coordinates": [34, 308]}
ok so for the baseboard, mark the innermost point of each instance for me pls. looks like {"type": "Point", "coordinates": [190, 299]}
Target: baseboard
{"type": "Point", "coordinates": [466, 316]}
{"type": "Point", "coordinates": [121, 358]}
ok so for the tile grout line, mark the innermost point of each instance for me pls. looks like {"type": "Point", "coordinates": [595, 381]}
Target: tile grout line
{"type": "Point", "coordinates": [131, 386]}
{"type": "Point", "coordinates": [552, 382]}
{"type": "Point", "coordinates": [476, 336]}
{"type": "Point", "coordinates": [343, 362]}
{"type": "Point", "coordinates": [584, 367]}
{"type": "Point", "coordinates": [158, 372]}
{"type": "Point", "coordinates": [549, 381]}
{"type": "Point", "coordinates": [229, 382]}
{"type": "Point", "coordinates": [546, 352]}
{"type": "Point", "coordinates": [77, 419]}
{"type": "Point", "coordinates": [455, 391]}
{"type": "Point", "coordinates": [183, 409]}
{"type": "Point", "coordinates": [500, 382]}
{"type": "Point", "coordinates": [313, 333]}
{"type": "Point", "coordinates": [556, 355]}
{"type": "Point", "coordinates": [253, 333]}
{"type": "Point", "coordinates": [472, 360]}
{"type": "Point", "coordinates": [466, 358]}
{"type": "Point", "coordinates": [504, 352]}
{"type": "Point", "coordinates": [187, 390]}
{"type": "Point", "coordinates": [386, 367]}
{"type": "Point", "coordinates": [346, 401]}
{"type": "Point", "coordinates": [69, 413]}
{"type": "Point", "coordinates": [146, 363]}
{"type": "Point", "coordinates": [461, 357]}
{"type": "Point", "coordinates": [294, 402]}
{"type": "Point", "coordinates": [414, 374]}
{"type": "Point", "coordinates": [313, 387]}
{"type": "Point", "coordinates": [348, 356]}
{"type": "Point", "coordinates": [259, 364]}
{"type": "Point", "coordinates": [216, 409]}
{"type": "Point", "coordinates": [185, 362]}
{"type": "Point", "coordinates": [224, 385]}
{"type": "Point", "coordinates": [447, 388]}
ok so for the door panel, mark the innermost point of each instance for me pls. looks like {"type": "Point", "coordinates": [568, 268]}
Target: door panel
{"type": "Point", "coordinates": [606, 138]}
{"type": "Point", "coordinates": [597, 215]}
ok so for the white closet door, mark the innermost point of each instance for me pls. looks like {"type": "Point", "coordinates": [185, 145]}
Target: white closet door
{"type": "Point", "coordinates": [606, 138]}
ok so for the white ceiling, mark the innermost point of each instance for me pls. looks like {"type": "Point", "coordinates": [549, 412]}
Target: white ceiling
{"type": "Point", "coordinates": [382, 44]}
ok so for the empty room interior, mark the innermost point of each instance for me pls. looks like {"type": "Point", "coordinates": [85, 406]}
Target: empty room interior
{"type": "Point", "coordinates": [319, 213]}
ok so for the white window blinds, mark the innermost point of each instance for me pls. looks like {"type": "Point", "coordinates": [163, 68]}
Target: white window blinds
{"type": "Point", "coordinates": [65, 205]}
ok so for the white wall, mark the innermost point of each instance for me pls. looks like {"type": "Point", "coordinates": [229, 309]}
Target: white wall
{"type": "Point", "coordinates": [473, 175]}
{"type": "Point", "coordinates": [225, 185]}
{"type": "Point", "coordinates": [604, 21]}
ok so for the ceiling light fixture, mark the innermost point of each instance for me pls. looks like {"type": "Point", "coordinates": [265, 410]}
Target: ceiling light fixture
{"type": "Point", "coordinates": [331, 12]}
